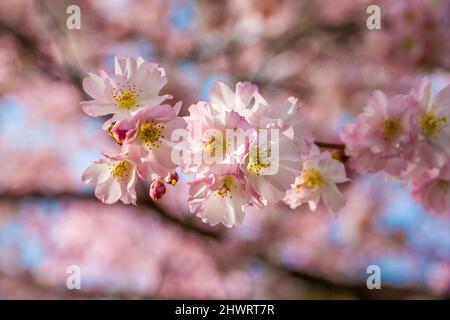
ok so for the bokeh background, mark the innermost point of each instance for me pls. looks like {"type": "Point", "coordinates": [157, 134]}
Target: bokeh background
{"type": "Point", "coordinates": [320, 51]}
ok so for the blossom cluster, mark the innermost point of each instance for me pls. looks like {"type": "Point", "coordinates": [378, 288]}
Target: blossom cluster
{"type": "Point", "coordinates": [407, 136]}
{"type": "Point", "coordinates": [269, 156]}
{"type": "Point", "coordinates": [140, 123]}
{"type": "Point", "coordinates": [262, 169]}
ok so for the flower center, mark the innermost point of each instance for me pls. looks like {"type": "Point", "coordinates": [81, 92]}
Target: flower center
{"type": "Point", "coordinates": [258, 161]}
{"type": "Point", "coordinates": [121, 169]}
{"type": "Point", "coordinates": [312, 178]}
{"type": "Point", "coordinates": [391, 128]}
{"type": "Point", "coordinates": [126, 95]}
{"type": "Point", "coordinates": [226, 188]}
{"type": "Point", "coordinates": [150, 134]}
{"type": "Point", "coordinates": [215, 144]}
{"type": "Point", "coordinates": [431, 123]}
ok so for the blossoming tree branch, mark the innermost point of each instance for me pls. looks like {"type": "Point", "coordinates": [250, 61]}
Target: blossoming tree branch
{"type": "Point", "coordinates": [241, 150]}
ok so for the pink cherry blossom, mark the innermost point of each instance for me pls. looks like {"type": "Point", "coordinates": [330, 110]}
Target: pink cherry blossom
{"type": "Point", "coordinates": [382, 137]}
{"type": "Point", "coordinates": [246, 100]}
{"type": "Point", "coordinates": [213, 149]}
{"type": "Point", "coordinates": [149, 132]}
{"type": "Point", "coordinates": [433, 127]}
{"type": "Point", "coordinates": [136, 85]}
{"type": "Point", "coordinates": [269, 160]}
{"type": "Point", "coordinates": [115, 179]}
{"type": "Point", "coordinates": [415, 36]}
{"type": "Point", "coordinates": [218, 199]}
{"type": "Point", "coordinates": [271, 166]}
{"type": "Point", "coordinates": [318, 179]}
{"type": "Point", "coordinates": [432, 189]}
{"type": "Point", "coordinates": [290, 119]}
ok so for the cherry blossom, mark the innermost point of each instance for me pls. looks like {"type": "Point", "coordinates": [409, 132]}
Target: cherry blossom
{"type": "Point", "coordinates": [272, 169]}
{"type": "Point", "coordinates": [382, 137]}
{"type": "Point", "coordinates": [432, 189]}
{"type": "Point", "coordinates": [245, 100]}
{"type": "Point", "coordinates": [318, 179]}
{"type": "Point", "coordinates": [210, 193]}
{"type": "Point", "coordinates": [212, 146]}
{"type": "Point", "coordinates": [433, 142]}
{"type": "Point", "coordinates": [150, 131]}
{"type": "Point", "coordinates": [115, 178]}
{"type": "Point", "coordinates": [136, 85]}
{"type": "Point", "coordinates": [245, 151]}
{"type": "Point", "coordinates": [290, 118]}
{"type": "Point", "coordinates": [260, 164]}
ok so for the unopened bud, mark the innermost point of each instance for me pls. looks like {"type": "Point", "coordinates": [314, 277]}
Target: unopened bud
{"type": "Point", "coordinates": [172, 178]}
{"type": "Point", "coordinates": [157, 189]}
{"type": "Point", "coordinates": [118, 134]}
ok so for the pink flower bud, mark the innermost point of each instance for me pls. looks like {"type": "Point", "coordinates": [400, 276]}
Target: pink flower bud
{"type": "Point", "coordinates": [119, 134]}
{"type": "Point", "coordinates": [172, 178]}
{"type": "Point", "coordinates": [157, 189]}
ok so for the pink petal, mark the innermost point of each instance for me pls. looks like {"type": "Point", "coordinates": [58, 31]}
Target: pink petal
{"type": "Point", "coordinates": [108, 192]}
{"type": "Point", "coordinates": [333, 169]}
{"type": "Point", "coordinates": [95, 109]}
{"type": "Point", "coordinates": [332, 198]}
{"type": "Point", "coordinates": [96, 173]}
{"type": "Point", "coordinates": [222, 96]}
{"type": "Point", "coordinates": [94, 86]}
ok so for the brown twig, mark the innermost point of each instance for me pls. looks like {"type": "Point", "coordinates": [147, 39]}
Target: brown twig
{"type": "Point", "coordinates": [328, 145]}
{"type": "Point", "coordinates": [357, 290]}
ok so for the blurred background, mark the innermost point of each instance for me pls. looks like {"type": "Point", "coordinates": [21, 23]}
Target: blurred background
{"type": "Point", "coordinates": [320, 51]}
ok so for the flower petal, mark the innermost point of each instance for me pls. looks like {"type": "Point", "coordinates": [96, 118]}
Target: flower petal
{"type": "Point", "coordinates": [108, 192]}
{"type": "Point", "coordinates": [332, 198]}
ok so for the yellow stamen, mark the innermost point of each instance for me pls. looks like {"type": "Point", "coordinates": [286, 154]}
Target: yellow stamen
{"type": "Point", "coordinates": [431, 123]}
{"type": "Point", "coordinates": [226, 188]}
{"type": "Point", "coordinates": [312, 178]}
{"type": "Point", "coordinates": [150, 134]}
{"type": "Point", "coordinates": [258, 161]}
{"type": "Point", "coordinates": [215, 144]}
{"type": "Point", "coordinates": [121, 169]}
{"type": "Point", "coordinates": [126, 96]}
{"type": "Point", "coordinates": [391, 128]}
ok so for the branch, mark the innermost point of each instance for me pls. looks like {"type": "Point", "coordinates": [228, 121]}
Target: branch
{"type": "Point", "coordinates": [187, 224]}
{"type": "Point", "coordinates": [328, 145]}
{"type": "Point", "coordinates": [355, 289]}
{"type": "Point", "coordinates": [26, 286]}
{"type": "Point", "coordinates": [358, 290]}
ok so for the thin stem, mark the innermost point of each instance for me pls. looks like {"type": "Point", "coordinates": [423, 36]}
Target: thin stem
{"type": "Point", "coordinates": [327, 145]}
